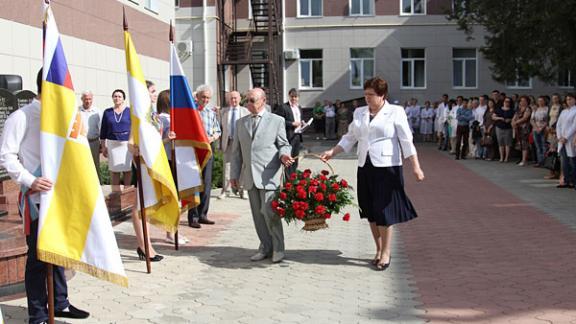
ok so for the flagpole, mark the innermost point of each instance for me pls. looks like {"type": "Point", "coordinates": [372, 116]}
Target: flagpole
{"type": "Point", "coordinates": [173, 151]}
{"type": "Point", "coordinates": [50, 286]}
{"type": "Point", "coordinates": [140, 188]}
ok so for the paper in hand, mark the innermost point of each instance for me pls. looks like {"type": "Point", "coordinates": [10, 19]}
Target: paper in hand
{"type": "Point", "coordinates": [302, 128]}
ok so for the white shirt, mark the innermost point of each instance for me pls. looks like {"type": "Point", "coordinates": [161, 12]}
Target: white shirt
{"type": "Point", "coordinates": [386, 138]}
{"type": "Point", "coordinates": [20, 146]}
{"type": "Point", "coordinates": [479, 114]}
{"type": "Point", "coordinates": [236, 112]}
{"type": "Point", "coordinates": [330, 111]}
{"type": "Point", "coordinates": [296, 113]}
{"type": "Point", "coordinates": [566, 128]}
{"type": "Point", "coordinates": [92, 120]}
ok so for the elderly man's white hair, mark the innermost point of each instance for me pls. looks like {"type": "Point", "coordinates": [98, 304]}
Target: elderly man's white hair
{"type": "Point", "coordinates": [87, 93]}
{"type": "Point", "coordinates": [204, 88]}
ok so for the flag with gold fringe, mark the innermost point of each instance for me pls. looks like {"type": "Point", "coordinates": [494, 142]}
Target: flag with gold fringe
{"type": "Point", "coordinates": [160, 195]}
{"type": "Point", "coordinates": [192, 148]}
{"type": "Point", "coordinates": [74, 226]}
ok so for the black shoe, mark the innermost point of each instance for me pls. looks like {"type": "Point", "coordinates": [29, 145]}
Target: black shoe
{"type": "Point", "coordinates": [457, 158]}
{"type": "Point", "coordinates": [383, 266]}
{"type": "Point", "coordinates": [206, 221]}
{"type": "Point", "coordinates": [194, 225]}
{"type": "Point", "coordinates": [71, 312]}
{"type": "Point", "coordinates": [142, 256]}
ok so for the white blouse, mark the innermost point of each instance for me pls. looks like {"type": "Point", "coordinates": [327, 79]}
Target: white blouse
{"type": "Point", "coordinates": [386, 138]}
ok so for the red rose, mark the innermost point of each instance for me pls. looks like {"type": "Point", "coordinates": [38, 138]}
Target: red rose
{"type": "Point", "coordinates": [319, 196]}
{"type": "Point", "coordinates": [281, 212]}
{"type": "Point", "coordinates": [307, 171]}
{"type": "Point", "coordinates": [344, 183]}
{"type": "Point", "coordinates": [312, 189]}
{"type": "Point", "coordinates": [299, 188]}
{"type": "Point", "coordinates": [323, 178]}
{"type": "Point", "coordinates": [288, 186]}
{"type": "Point", "coordinates": [325, 172]}
{"type": "Point", "coordinates": [301, 194]}
{"type": "Point", "coordinates": [314, 182]}
{"type": "Point", "coordinates": [282, 195]}
{"type": "Point", "coordinates": [323, 186]}
{"type": "Point", "coordinates": [320, 210]}
{"type": "Point", "coordinates": [295, 205]}
{"type": "Point", "coordinates": [300, 214]}
{"type": "Point", "coordinates": [293, 176]}
{"type": "Point", "coordinates": [302, 182]}
{"type": "Point", "coordinates": [335, 186]}
{"type": "Point", "coordinates": [274, 204]}
{"type": "Point", "coordinates": [346, 217]}
{"type": "Point", "coordinates": [306, 174]}
{"type": "Point", "coordinates": [303, 205]}
{"type": "Point", "coordinates": [332, 197]}
{"type": "Point", "coordinates": [327, 215]}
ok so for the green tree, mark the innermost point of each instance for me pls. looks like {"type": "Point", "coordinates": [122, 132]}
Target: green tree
{"type": "Point", "coordinates": [525, 38]}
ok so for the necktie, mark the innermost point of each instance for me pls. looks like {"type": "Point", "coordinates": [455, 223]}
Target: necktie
{"type": "Point", "coordinates": [255, 119]}
{"type": "Point", "coordinates": [233, 123]}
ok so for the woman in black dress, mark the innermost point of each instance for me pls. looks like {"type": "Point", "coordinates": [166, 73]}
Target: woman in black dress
{"type": "Point", "coordinates": [384, 138]}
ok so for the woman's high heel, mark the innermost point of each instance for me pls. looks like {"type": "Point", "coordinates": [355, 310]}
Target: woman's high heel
{"type": "Point", "coordinates": [142, 256]}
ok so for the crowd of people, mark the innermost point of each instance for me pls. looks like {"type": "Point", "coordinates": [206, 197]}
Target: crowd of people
{"type": "Point", "coordinates": [493, 128]}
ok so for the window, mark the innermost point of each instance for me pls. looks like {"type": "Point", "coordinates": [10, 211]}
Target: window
{"type": "Point", "coordinates": [361, 66]}
{"type": "Point", "coordinates": [361, 7]}
{"type": "Point", "coordinates": [309, 8]}
{"type": "Point", "coordinates": [519, 83]}
{"type": "Point", "coordinates": [177, 3]}
{"type": "Point", "coordinates": [460, 6]}
{"type": "Point", "coordinates": [413, 7]}
{"type": "Point", "coordinates": [151, 5]}
{"type": "Point", "coordinates": [413, 68]}
{"type": "Point", "coordinates": [311, 69]}
{"type": "Point", "coordinates": [566, 79]}
{"type": "Point", "coordinates": [464, 68]}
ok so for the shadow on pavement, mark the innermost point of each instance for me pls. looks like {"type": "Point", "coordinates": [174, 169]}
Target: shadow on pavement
{"type": "Point", "coordinates": [17, 314]}
{"type": "Point", "coordinates": [239, 258]}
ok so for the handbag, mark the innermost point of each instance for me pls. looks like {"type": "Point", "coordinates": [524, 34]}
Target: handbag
{"type": "Point", "coordinates": [487, 140]}
{"type": "Point", "coordinates": [551, 161]}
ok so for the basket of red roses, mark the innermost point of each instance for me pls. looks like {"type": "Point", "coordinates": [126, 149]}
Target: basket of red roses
{"type": "Point", "coordinates": [312, 198]}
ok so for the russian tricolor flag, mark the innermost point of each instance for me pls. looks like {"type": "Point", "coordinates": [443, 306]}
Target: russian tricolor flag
{"type": "Point", "coordinates": [192, 146]}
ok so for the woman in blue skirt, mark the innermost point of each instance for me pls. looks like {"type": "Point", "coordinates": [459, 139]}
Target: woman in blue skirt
{"type": "Point", "coordinates": [384, 137]}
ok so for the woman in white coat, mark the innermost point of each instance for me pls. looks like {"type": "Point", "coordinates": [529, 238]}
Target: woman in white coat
{"type": "Point", "coordinates": [383, 136]}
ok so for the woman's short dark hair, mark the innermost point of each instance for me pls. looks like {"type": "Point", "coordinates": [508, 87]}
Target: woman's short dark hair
{"type": "Point", "coordinates": [121, 91]}
{"type": "Point", "coordinates": [163, 103]}
{"type": "Point", "coordinates": [149, 84]}
{"type": "Point", "coordinates": [379, 85]}
{"type": "Point", "coordinates": [528, 100]}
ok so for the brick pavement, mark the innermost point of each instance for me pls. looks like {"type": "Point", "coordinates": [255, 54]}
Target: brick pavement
{"type": "Point", "coordinates": [490, 258]}
{"type": "Point", "coordinates": [480, 253]}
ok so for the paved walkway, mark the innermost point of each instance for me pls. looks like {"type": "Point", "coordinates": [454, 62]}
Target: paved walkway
{"type": "Point", "coordinates": [489, 246]}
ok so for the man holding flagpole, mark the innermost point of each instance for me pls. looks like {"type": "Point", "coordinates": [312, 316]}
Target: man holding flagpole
{"type": "Point", "coordinates": [20, 156]}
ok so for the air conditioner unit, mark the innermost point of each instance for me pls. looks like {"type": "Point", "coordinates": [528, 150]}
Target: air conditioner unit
{"type": "Point", "coordinates": [185, 47]}
{"type": "Point", "coordinates": [292, 54]}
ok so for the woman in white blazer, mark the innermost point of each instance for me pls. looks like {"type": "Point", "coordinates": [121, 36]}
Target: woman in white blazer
{"type": "Point", "coordinates": [383, 136]}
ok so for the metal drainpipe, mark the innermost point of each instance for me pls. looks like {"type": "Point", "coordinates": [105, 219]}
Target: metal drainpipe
{"type": "Point", "coordinates": [283, 48]}
{"type": "Point", "coordinates": [204, 25]}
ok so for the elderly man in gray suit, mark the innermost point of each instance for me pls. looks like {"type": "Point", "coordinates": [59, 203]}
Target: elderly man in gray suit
{"type": "Point", "coordinates": [260, 147]}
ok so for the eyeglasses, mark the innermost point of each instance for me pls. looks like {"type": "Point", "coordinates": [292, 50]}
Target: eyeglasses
{"type": "Point", "coordinates": [252, 100]}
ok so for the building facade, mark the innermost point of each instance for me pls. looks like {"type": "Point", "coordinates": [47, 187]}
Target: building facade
{"type": "Point", "coordinates": [93, 40]}
{"type": "Point", "coordinates": [331, 46]}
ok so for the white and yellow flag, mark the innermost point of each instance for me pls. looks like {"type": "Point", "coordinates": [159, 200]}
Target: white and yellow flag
{"type": "Point", "coordinates": [160, 195]}
{"type": "Point", "coordinates": [74, 226]}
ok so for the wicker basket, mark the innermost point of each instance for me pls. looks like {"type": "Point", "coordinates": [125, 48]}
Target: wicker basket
{"type": "Point", "coordinates": [314, 224]}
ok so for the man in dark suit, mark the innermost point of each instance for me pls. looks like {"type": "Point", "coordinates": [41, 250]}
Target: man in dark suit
{"type": "Point", "coordinates": [292, 113]}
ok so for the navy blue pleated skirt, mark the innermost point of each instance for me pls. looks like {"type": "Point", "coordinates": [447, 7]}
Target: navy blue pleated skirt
{"type": "Point", "coordinates": [381, 195]}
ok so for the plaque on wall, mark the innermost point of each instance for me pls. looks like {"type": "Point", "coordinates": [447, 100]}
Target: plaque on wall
{"type": "Point", "coordinates": [8, 104]}
{"type": "Point", "coordinates": [24, 97]}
